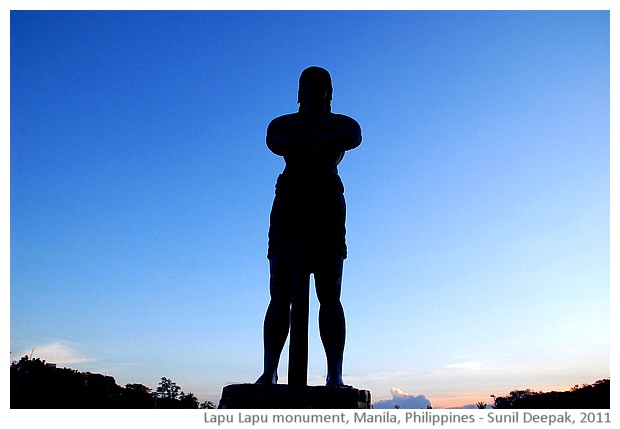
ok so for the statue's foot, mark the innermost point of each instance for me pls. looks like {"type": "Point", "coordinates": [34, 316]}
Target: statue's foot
{"type": "Point", "coordinates": [267, 379]}
{"type": "Point", "coordinates": [336, 381]}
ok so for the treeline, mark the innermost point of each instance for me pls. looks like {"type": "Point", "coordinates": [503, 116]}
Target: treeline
{"type": "Point", "coordinates": [36, 384]}
{"type": "Point", "coordinates": [588, 396]}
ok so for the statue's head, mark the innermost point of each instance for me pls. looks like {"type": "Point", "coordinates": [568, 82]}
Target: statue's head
{"type": "Point", "coordinates": [315, 86]}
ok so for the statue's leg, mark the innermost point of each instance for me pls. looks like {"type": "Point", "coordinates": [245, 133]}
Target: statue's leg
{"type": "Point", "coordinates": [328, 279]}
{"type": "Point", "coordinates": [277, 318]}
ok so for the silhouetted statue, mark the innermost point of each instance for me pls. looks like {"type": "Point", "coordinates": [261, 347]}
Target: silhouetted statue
{"type": "Point", "coordinates": [307, 230]}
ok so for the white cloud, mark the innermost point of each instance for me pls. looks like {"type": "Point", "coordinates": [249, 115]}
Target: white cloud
{"type": "Point", "coordinates": [402, 399]}
{"type": "Point", "coordinates": [62, 353]}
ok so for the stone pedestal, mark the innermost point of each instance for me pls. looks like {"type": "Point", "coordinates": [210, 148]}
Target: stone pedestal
{"type": "Point", "coordinates": [283, 396]}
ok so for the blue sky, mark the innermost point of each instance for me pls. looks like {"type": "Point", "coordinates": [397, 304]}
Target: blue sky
{"type": "Point", "coordinates": [478, 203]}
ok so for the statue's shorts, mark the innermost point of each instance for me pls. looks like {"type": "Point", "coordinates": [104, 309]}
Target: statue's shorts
{"type": "Point", "coordinates": [308, 213]}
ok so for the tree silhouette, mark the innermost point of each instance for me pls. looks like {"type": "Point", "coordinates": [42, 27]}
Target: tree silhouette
{"type": "Point", "coordinates": [208, 405]}
{"type": "Point", "coordinates": [188, 400]}
{"type": "Point", "coordinates": [37, 384]}
{"type": "Point", "coordinates": [138, 396]}
{"type": "Point", "coordinates": [167, 394]}
{"type": "Point", "coordinates": [167, 389]}
{"type": "Point", "coordinates": [594, 396]}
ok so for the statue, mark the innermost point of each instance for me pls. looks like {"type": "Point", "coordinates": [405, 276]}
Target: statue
{"type": "Point", "coordinates": [307, 230]}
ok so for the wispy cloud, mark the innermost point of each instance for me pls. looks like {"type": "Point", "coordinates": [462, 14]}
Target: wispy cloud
{"type": "Point", "coordinates": [457, 368]}
{"type": "Point", "coordinates": [61, 353]}
{"type": "Point", "coordinates": [464, 365]}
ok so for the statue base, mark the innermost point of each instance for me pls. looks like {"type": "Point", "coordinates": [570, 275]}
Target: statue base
{"type": "Point", "coordinates": [283, 396]}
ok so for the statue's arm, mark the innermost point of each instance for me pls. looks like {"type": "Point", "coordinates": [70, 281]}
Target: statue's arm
{"type": "Point", "coordinates": [289, 133]}
{"type": "Point", "coordinates": [279, 136]}
{"type": "Point", "coordinates": [346, 135]}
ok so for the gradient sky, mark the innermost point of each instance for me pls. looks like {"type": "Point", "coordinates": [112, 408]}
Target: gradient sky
{"type": "Point", "coordinates": [478, 203]}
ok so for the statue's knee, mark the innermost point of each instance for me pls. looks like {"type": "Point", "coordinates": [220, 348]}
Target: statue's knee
{"type": "Point", "coordinates": [279, 289]}
{"type": "Point", "coordinates": [328, 290]}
